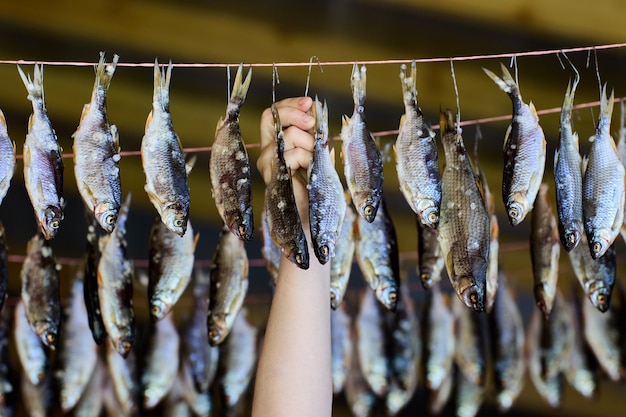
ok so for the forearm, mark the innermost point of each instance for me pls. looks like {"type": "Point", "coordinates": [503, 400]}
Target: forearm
{"type": "Point", "coordinates": [294, 371]}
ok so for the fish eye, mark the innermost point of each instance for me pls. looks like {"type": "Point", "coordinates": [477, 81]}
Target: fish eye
{"type": "Point", "coordinates": [242, 230]}
{"type": "Point", "coordinates": [473, 298]}
{"type": "Point", "coordinates": [513, 212]}
{"type": "Point", "coordinates": [393, 296]}
{"type": "Point", "coordinates": [324, 250]}
{"type": "Point", "coordinates": [368, 210]}
{"type": "Point", "coordinates": [178, 223]}
{"type": "Point", "coordinates": [213, 334]}
{"type": "Point", "coordinates": [432, 217]}
{"type": "Point", "coordinates": [571, 238]}
{"type": "Point", "coordinates": [110, 219]}
{"type": "Point", "coordinates": [54, 224]}
{"type": "Point", "coordinates": [601, 299]}
{"type": "Point", "coordinates": [597, 247]}
{"type": "Point", "coordinates": [50, 339]}
{"type": "Point", "coordinates": [299, 259]}
{"type": "Point", "coordinates": [333, 297]}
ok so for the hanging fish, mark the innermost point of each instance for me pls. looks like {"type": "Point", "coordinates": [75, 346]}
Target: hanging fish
{"type": "Point", "coordinates": [464, 228]}
{"type": "Point", "coordinates": [96, 144]}
{"type": "Point", "coordinates": [43, 163]}
{"type": "Point", "coordinates": [238, 358]}
{"type": "Point", "coordinates": [327, 204]}
{"type": "Point", "coordinates": [122, 372]}
{"type": "Point", "coordinates": [438, 398]}
{"type": "Point", "coordinates": [200, 402]}
{"type": "Point", "coordinates": [544, 251]}
{"type": "Point", "coordinates": [170, 265]}
{"type": "Point", "coordinates": [469, 395]}
{"type": "Point", "coordinates": [507, 346]}
{"type": "Point", "coordinates": [398, 398]}
{"type": "Point", "coordinates": [161, 362]}
{"type": "Point", "coordinates": [621, 150]}
{"type": "Point", "coordinates": [371, 345]}
{"type": "Point", "coordinates": [568, 175]}
{"type": "Point", "coordinates": [270, 251]}
{"type": "Point", "coordinates": [362, 160]}
{"type": "Point", "coordinates": [417, 163]}
{"type": "Point", "coordinates": [229, 165]}
{"type": "Point", "coordinates": [603, 185]}
{"type": "Point", "coordinates": [430, 263]}
{"type": "Point", "coordinates": [37, 399]}
{"type": "Point", "coordinates": [30, 351]}
{"type": "Point", "coordinates": [202, 356]}
{"type": "Point", "coordinates": [280, 204]}
{"type": "Point", "coordinates": [6, 376]}
{"type": "Point", "coordinates": [40, 290]}
{"type": "Point", "coordinates": [91, 402]}
{"type": "Point", "coordinates": [90, 282]}
{"type": "Point", "coordinates": [341, 347]}
{"type": "Point", "coordinates": [596, 276]}
{"type": "Point", "coordinates": [229, 285]}
{"type": "Point", "coordinates": [438, 327]}
{"type": "Point", "coordinates": [115, 285]}
{"type": "Point", "coordinates": [163, 159]}
{"type": "Point", "coordinates": [7, 158]}
{"type": "Point", "coordinates": [341, 263]}
{"type": "Point", "coordinates": [470, 354]}
{"type": "Point", "coordinates": [377, 256]}
{"type": "Point", "coordinates": [359, 396]}
{"type": "Point", "coordinates": [4, 266]}
{"type": "Point", "coordinates": [524, 152]}
{"type": "Point", "coordinates": [76, 342]}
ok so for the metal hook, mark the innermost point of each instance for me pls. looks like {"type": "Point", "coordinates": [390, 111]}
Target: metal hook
{"type": "Point", "coordinates": [308, 78]}
{"type": "Point", "coordinates": [456, 91]}
{"type": "Point", "coordinates": [228, 82]}
{"type": "Point", "coordinates": [275, 80]}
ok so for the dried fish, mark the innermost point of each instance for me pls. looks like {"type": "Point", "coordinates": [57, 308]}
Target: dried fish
{"type": "Point", "coordinates": [327, 204]}
{"type": "Point", "coordinates": [229, 285]}
{"type": "Point", "coordinates": [359, 396]}
{"type": "Point", "coordinates": [163, 159]}
{"type": "Point", "coordinates": [37, 399]}
{"type": "Point", "coordinates": [270, 251]}
{"type": "Point", "coordinates": [7, 158]}
{"type": "Point", "coordinates": [438, 398]}
{"type": "Point", "coordinates": [603, 185]}
{"type": "Point", "coordinates": [544, 251]}
{"type": "Point", "coordinates": [341, 263]}
{"type": "Point", "coordinates": [596, 276]}
{"type": "Point", "coordinates": [76, 342]}
{"type": "Point", "coordinates": [43, 163]}
{"type": "Point", "coordinates": [30, 350]}
{"type": "Point", "coordinates": [464, 225]}
{"type": "Point", "coordinates": [362, 160]}
{"type": "Point", "coordinates": [229, 165]}
{"type": "Point", "coordinates": [91, 402]}
{"type": "Point", "coordinates": [371, 345]}
{"type": "Point", "coordinates": [199, 401]}
{"type": "Point", "coordinates": [40, 290]}
{"type": "Point", "coordinates": [507, 346]}
{"type": "Point", "coordinates": [6, 376]}
{"type": "Point", "coordinates": [280, 204]}
{"type": "Point", "coordinates": [161, 366]}
{"type": "Point", "coordinates": [90, 286]}
{"type": "Point", "coordinates": [524, 152]}
{"type": "Point", "coordinates": [341, 347]}
{"type": "Point", "coordinates": [470, 353]}
{"type": "Point", "coordinates": [417, 163]}
{"type": "Point", "coordinates": [123, 379]}
{"type": "Point", "coordinates": [469, 396]}
{"type": "Point", "coordinates": [377, 256]}
{"type": "Point", "coordinates": [115, 285]}
{"type": "Point", "coordinates": [4, 266]}
{"type": "Point", "coordinates": [96, 144]}
{"type": "Point", "coordinates": [438, 325]}
{"type": "Point", "coordinates": [568, 176]}
{"type": "Point", "coordinates": [430, 263]}
{"type": "Point", "coordinates": [170, 265]}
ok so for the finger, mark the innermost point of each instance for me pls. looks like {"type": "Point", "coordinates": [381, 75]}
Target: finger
{"type": "Point", "coordinates": [297, 158]}
{"type": "Point", "coordinates": [291, 112]}
{"type": "Point", "coordinates": [297, 138]}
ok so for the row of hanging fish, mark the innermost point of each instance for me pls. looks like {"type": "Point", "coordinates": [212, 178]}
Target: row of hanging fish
{"type": "Point", "coordinates": [171, 369]}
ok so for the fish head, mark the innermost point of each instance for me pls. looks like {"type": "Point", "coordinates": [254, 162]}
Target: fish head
{"type": "Point", "coordinates": [570, 236]}
{"type": "Point", "coordinates": [472, 294]}
{"type": "Point", "coordinates": [123, 345]}
{"type": "Point", "coordinates": [50, 221]}
{"type": "Point", "coordinates": [599, 243]}
{"type": "Point", "coordinates": [158, 309]}
{"type": "Point", "coordinates": [601, 298]}
{"type": "Point", "coordinates": [49, 337]}
{"type": "Point", "coordinates": [426, 277]}
{"type": "Point", "coordinates": [335, 297]}
{"type": "Point", "coordinates": [324, 247]}
{"type": "Point", "coordinates": [106, 215]}
{"type": "Point", "coordinates": [299, 254]}
{"type": "Point", "coordinates": [388, 295]}
{"type": "Point", "coordinates": [544, 298]}
{"type": "Point", "coordinates": [175, 218]}
{"type": "Point", "coordinates": [516, 208]}
{"type": "Point", "coordinates": [242, 225]}
{"type": "Point", "coordinates": [428, 212]}
{"type": "Point", "coordinates": [368, 208]}
{"type": "Point", "coordinates": [217, 328]}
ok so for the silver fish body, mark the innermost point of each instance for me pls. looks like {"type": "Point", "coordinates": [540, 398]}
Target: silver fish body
{"type": "Point", "coordinates": [30, 351]}
{"type": "Point", "coordinates": [524, 152]}
{"type": "Point", "coordinates": [464, 225]}
{"type": "Point", "coordinates": [122, 372]}
{"type": "Point", "coordinates": [470, 353]}
{"type": "Point", "coordinates": [40, 290]}
{"type": "Point", "coordinates": [362, 160]}
{"type": "Point", "coordinates": [341, 347]}
{"type": "Point", "coordinates": [438, 398]}
{"type": "Point", "coordinates": [596, 276]}
{"type": "Point", "coordinates": [327, 204]}
{"type": "Point", "coordinates": [568, 176]}
{"type": "Point", "coordinates": [544, 251]}
{"type": "Point", "coordinates": [37, 399]}
{"type": "Point", "coordinates": [171, 259]}
{"type": "Point", "coordinates": [398, 397]}
{"type": "Point", "coordinates": [270, 251]}
{"type": "Point", "coordinates": [7, 158]}
{"type": "Point", "coordinates": [469, 396]}
{"type": "Point", "coordinates": [603, 185]}
{"type": "Point", "coordinates": [229, 165]}
{"type": "Point", "coordinates": [283, 218]}
{"type": "Point", "coordinates": [96, 144]}
{"type": "Point", "coordinates": [90, 283]}
{"type": "Point", "coordinates": [163, 159]}
{"type": "Point", "coordinates": [341, 263]}
{"type": "Point", "coordinates": [430, 263]}
{"type": "Point", "coordinates": [377, 256]}
{"type": "Point", "coordinates": [76, 342]}
{"type": "Point", "coordinates": [43, 163]}
{"type": "Point", "coordinates": [115, 285]}
{"type": "Point", "coordinates": [161, 367]}
{"type": "Point", "coordinates": [371, 345]}
{"type": "Point", "coordinates": [438, 325]}
{"type": "Point", "coordinates": [229, 285]}
{"type": "Point", "coordinates": [359, 396]}
{"type": "Point", "coordinates": [91, 402]}
{"type": "Point", "coordinates": [417, 163]}
{"type": "Point", "coordinates": [507, 346]}
{"type": "Point", "coordinates": [4, 266]}
{"type": "Point", "coordinates": [199, 401]}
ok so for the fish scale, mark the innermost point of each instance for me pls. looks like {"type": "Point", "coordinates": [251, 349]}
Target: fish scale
{"type": "Point", "coordinates": [7, 157]}
{"type": "Point", "coordinates": [229, 166]}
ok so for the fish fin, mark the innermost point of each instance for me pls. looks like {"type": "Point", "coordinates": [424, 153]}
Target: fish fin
{"type": "Point", "coordinates": [358, 82]}
{"type": "Point", "coordinates": [499, 82]}
{"type": "Point", "coordinates": [149, 119]}
{"type": "Point", "coordinates": [402, 120]}
{"type": "Point", "coordinates": [104, 72]}
{"type": "Point", "coordinates": [153, 196]}
{"type": "Point", "coordinates": [556, 157]}
{"type": "Point", "coordinates": [533, 111]}
{"type": "Point", "coordinates": [575, 139]}
{"type": "Point", "coordinates": [507, 136]}
{"type": "Point", "coordinates": [189, 164]}
{"type": "Point", "coordinates": [240, 89]}
{"type": "Point", "coordinates": [344, 120]}
{"type": "Point", "coordinates": [196, 238]}
{"type": "Point", "coordinates": [583, 165]}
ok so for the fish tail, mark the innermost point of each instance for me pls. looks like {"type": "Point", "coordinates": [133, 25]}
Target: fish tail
{"type": "Point", "coordinates": [506, 83]}
{"type": "Point", "coordinates": [278, 128]}
{"type": "Point", "coordinates": [409, 89]}
{"type": "Point", "coordinates": [606, 110]}
{"type": "Point", "coordinates": [104, 72]}
{"type": "Point", "coordinates": [358, 82]}
{"type": "Point", "coordinates": [33, 86]}
{"type": "Point", "coordinates": [240, 89]}
{"type": "Point", "coordinates": [162, 84]}
{"type": "Point", "coordinates": [321, 114]}
{"type": "Point", "coordinates": [446, 122]}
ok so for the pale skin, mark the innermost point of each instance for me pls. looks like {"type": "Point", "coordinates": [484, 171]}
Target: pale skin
{"type": "Point", "coordinates": [294, 372]}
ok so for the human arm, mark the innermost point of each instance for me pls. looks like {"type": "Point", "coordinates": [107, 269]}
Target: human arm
{"type": "Point", "coordinates": [294, 372]}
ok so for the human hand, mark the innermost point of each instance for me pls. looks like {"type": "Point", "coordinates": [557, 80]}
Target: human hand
{"type": "Point", "coordinates": [298, 127]}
